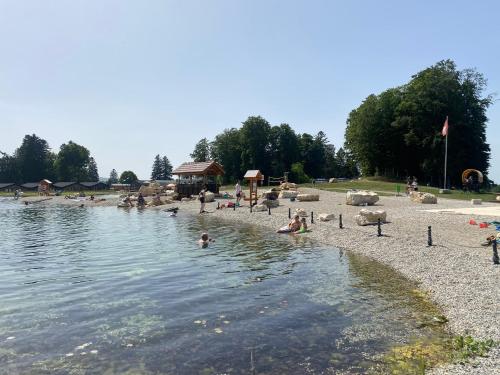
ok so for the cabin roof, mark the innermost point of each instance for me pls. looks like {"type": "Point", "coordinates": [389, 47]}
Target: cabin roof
{"type": "Point", "coordinates": [63, 184]}
{"type": "Point", "coordinates": [4, 185]}
{"type": "Point", "coordinates": [92, 183]}
{"type": "Point", "coordinates": [30, 185]}
{"type": "Point", "coordinates": [253, 173]}
{"type": "Point", "coordinates": [199, 168]}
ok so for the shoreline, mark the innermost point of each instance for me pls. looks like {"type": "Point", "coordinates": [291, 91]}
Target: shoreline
{"type": "Point", "coordinates": [457, 273]}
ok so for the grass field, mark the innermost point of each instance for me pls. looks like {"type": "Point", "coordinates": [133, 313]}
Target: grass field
{"type": "Point", "coordinates": [390, 188]}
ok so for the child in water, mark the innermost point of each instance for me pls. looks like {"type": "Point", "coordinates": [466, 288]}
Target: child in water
{"type": "Point", "coordinates": [303, 226]}
{"type": "Point", "coordinates": [205, 240]}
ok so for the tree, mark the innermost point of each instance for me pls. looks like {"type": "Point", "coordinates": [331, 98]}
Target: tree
{"type": "Point", "coordinates": [284, 149]}
{"type": "Point", "coordinates": [298, 175]}
{"type": "Point", "coordinates": [113, 177]}
{"type": "Point", "coordinates": [397, 133]}
{"type": "Point", "coordinates": [227, 150]}
{"type": "Point", "coordinates": [8, 169]}
{"type": "Point", "coordinates": [156, 173]}
{"type": "Point", "coordinates": [201, 151]}
{"type": "Point", "coordinates": [128, 177]}
{"type": "Point", "coordinates": [255, 146]}
{"type": "Point", "coordinates": [33, 159]}
{"type": "Point", "coordinates": [166, 169]}
{"type": "Point", "coordinates": [72, 162]}
{"type": "Point", "coordinates": [92, 173]}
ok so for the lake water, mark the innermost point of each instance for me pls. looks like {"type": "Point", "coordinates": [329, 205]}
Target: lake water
{"type": "Point", "coordinates": [109, 291]}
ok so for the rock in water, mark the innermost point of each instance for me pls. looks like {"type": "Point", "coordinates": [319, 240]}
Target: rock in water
{"type": "Point", "coordinates": [361, 197]}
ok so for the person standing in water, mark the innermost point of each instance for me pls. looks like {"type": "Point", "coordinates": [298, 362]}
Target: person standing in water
{"type": "Point", "coordinates": [201, 198]}
{"type": "Point", "coordinates": [238, 192]}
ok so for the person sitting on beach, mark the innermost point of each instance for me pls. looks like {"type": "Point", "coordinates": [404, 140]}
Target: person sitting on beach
{"type": "Point", "coordinates": [141, 202]}
{"type": "Point", "coordinates": [303, 226]}
{"type": "Point", "coordinates": [205, 240]}
{"type": "Point", "coordinates": [293, 226]}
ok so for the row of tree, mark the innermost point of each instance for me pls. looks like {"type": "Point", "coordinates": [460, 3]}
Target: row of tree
{"type": "Point", "coordinates": [34, 160]}
{"type": "Point", "coordinates": [274, 150]}
{"type": "Point", "coordinates": [398, 132]}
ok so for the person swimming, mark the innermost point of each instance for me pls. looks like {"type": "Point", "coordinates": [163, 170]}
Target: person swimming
{"type": "Point", "coordinates": [205, 240]}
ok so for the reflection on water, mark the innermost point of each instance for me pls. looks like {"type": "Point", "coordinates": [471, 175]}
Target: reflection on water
{"type": "Point", "coordinates": [101, 290]}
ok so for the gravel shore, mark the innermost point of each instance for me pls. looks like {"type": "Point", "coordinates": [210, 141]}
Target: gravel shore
{"type": "Point", "coordinates": [457, 272]}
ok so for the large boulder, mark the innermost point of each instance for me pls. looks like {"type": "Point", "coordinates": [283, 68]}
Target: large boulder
{"type": "Point", "coordinates": [361, 198]}
{"type": "Point", "coordinates": [270, 194]}
{"type": "Point", "coordinates": [301, 212]}
{"type": "Point", "coordinates": [421, 197]}
{"type": "Point", "coordinates": [332, 180]}
{"type": "Point", "coordinates": [476, 201]}
{"type": "Point", "coordinates": [288, 186]}
{"type": "Point", "coordinates": [271, 203]}
{"type": "Point", "coordinates": [209, 197]}
{"type": "Point", "coordinates": [498, 198]}
{"type": "Point", "coordinates": [287, 194]}
{"type": "Point", "coordinates": [326, 217]}
{"type": "Point", "coordinates": [259, 207]}
{"type": "Point", "coordinates": [367, 217]}
{"type": "Point", "coordinates": [307, 197]}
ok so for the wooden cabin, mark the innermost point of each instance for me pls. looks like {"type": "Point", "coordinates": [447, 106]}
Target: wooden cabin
{"type": "Point", "coordinates": [253, 176]}
{"type": "Point", "coordinates": [44, 187]}
{"type": "Point", "coordinates": [193, 176]}
{"type": "Point", "coordinates": [9, 187]}
{"type": "Point", "coordinates": [97, 185]}
{"type": "Point", "coordinates": [67, 186]}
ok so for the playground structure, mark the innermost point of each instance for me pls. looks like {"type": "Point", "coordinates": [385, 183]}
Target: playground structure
{"type": "Point", "coordinates": [470, 183]}
{"type": "Point", "coordinates": [277, 180]}
{"type": "Point", "coordinates": [253, 176]}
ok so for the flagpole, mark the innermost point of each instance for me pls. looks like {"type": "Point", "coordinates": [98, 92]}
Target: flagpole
{"type": "Point", "coordinates": [445, 159]}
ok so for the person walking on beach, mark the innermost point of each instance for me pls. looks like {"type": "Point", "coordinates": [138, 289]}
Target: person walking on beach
{"type": "Point", "coordinates": [201, 198]}
{"type": "Point", "coordinates": [238, 193]}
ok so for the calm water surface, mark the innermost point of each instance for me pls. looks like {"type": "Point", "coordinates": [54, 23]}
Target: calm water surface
{"type": "Point", "coordinates": [109, 291]}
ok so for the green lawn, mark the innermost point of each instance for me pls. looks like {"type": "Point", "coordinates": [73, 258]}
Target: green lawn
{"type": "Point", "coordinates": [389, 188]}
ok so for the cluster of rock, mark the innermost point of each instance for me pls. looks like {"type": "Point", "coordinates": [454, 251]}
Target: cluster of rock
{"type": "Point", "coordinates": [367, 217]}
{"type": "Point", "coordinates": [421, 197]}
{"type": "Point", "coordinates": [288, 186]}
{"type": "Point", "coordinates": [326, 217]}
{"type": "Point", "coordinates": [361, 198]}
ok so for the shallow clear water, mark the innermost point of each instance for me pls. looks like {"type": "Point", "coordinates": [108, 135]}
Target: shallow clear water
{"type": "Point", "coordinates": [104, 290]}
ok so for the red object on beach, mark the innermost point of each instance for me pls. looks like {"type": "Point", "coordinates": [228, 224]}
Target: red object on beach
{"type": "Point", "coordinates": [483, 225]}
{"type": "Point", "coordinates": [472, 222]}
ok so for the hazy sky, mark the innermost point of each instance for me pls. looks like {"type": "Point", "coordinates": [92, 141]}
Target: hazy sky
{"type": "Point", "coordinates": [132, 79]}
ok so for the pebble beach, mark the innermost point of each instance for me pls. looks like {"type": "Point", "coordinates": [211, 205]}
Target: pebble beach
{"type": "Point", "coordinates": [457, 273]}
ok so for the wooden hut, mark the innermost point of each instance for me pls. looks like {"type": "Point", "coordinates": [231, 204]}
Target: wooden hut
{"type": "Point", "coordinates": [97, 185]}
{"type": "Point", "coordinates": [193, 176]}
{"type": "Point", "coordinates": [44, 187]}
{"type": "Point", "coordinates": [9, 187]}
{"type": "Point", "coordinates": [253, 176]}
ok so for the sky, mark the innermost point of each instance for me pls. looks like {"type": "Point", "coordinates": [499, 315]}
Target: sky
{"type": "Point", "coordinates": [132, 79]}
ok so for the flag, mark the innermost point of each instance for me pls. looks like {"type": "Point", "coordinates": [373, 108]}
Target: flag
{"type": "Point", "coordinates": [444, 132]}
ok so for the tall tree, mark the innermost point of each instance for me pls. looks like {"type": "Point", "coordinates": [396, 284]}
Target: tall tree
{"type": "Point", "coordinates": [255, 145]}
{"type": "Point", "coordinates": [201, 151]}
{"type": "Point", "coordinates": [128, 177]}
{"type": "Point", "coordinates": [34, 159]}
{"type": "Point", "coordinates": [8, 169]}
{"type": "Point", "coordinates": [227, 150]}
{"type": "Point", "coordinates": [397, 133]}
{"type": "Point", "coordinates": [72, 162]}
{"type": "Point", "coordinates": [156, 173]}
{"type": "Point", "coordinates": [284, 149]}
{"type": "Point", "coordinates": [113, 177]}
{"type": "Point", "coordinates": [166, 169]}
{"type": "Point", "coordinates": [92, 172]}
